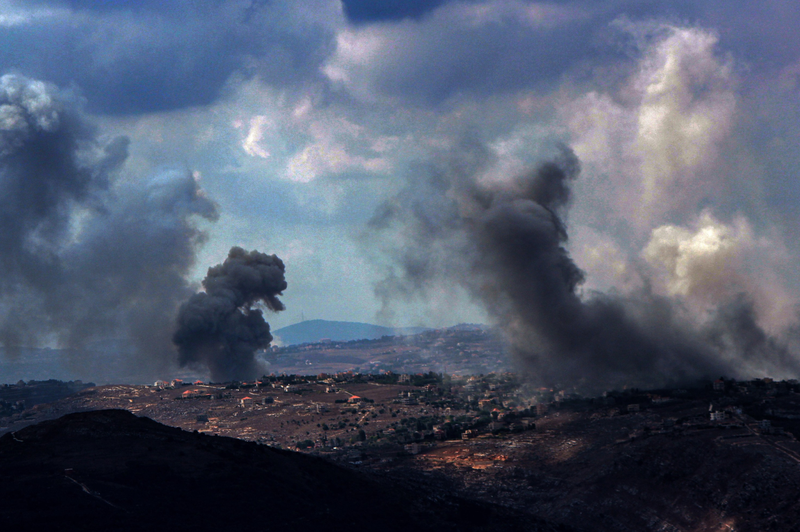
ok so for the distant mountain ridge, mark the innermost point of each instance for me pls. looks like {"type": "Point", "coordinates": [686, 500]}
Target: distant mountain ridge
{"type": "Point", "coordinates": [311, 331]}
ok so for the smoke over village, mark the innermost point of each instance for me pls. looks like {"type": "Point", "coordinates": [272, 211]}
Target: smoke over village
{"type": "Point", "coordinates": [624, 224]}
{"type": "Point", "coordinates": [218, 327]}
{"type": "Point", "coordinates": [505, 242]}
{"type": "Point", "coordinates": [88, 255]}
{"type": "Point", "coordinates": [495, 264]}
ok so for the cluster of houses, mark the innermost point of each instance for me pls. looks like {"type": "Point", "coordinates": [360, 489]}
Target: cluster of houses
{"type": "Point", "coordinates": [175, 383]}
{"type": "Point", "coordinates": [489, 403]}
{"type": "Point", "coordinates": [249, 402]}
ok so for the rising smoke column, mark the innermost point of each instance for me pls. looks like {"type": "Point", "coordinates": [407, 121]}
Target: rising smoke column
{"type": "Point", "coordinates": [219, 328]}
{"type": "Point", "coordinates": [504, 241]}
{"type": "Point", "coordinates": [528, 278]}
{"type": "Point", "coordinates": [89, 254]}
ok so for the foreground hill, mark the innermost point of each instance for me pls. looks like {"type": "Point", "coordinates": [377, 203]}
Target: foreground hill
{"type": "Point", "coordinates": [310, 331]}
{"type": "Point", "coordinates": [629, 461]}
{"type": "Point", "coordinates": [111, 470]}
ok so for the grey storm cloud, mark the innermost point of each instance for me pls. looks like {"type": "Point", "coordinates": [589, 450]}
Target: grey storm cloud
{"type": "Point", "coordinates": [86, 256]}
{"type": "Point", "coordinates": [219, 328]}
{"type": "Point", "coordinates": [367, 11]}
{"type": "Point", "coordinates": [440, 57]}
{"type": "Point", "coordinates": [439, 52]}
{"type": "Point", "coordinates": [140, 57]}
{"type": "Point", "coordinates": [505, 244]}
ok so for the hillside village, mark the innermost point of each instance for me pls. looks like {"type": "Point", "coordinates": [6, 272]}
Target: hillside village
{"type": "Point", "coordinates": [723, 453]}
{"type": "Point", "coordinates": [657, 459]}
{"type": "Point", "coordinates": [390, 413]}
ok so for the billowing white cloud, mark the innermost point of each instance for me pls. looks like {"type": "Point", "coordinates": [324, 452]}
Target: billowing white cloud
{"type": "Point", "coordinates": [712, 262]}
{"type": "Point", "coordinates": [657, 141]}
{"type": "Point", "coordinates": [252, 143]}
{"type": "Point", "coordinates": [663, 147]}
{"type": "Point", "coordinates": [705, 263]}
{"type": "Point", "coordinates": [686, 113]}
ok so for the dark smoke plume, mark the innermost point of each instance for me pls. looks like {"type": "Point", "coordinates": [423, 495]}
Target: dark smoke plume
{"type": "Point", "coordinates": [89, 255]}
{"type": "Point", "coordinates": [218, 328]}
{"type": "Point", "coordinates": [505, 243]}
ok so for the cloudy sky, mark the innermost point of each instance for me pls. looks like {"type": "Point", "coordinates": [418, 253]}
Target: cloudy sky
{"type": "Point", "coordinates": [291, 126]}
